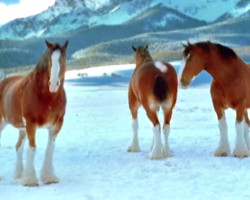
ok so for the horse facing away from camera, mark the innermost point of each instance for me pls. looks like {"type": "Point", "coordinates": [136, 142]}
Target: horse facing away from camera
{"type": "Point", "coordinates": [152, 85]}
{"type": "Point", "coordinates": [35, 101]}
{"type": "Point", "coordinates": [230, 88]}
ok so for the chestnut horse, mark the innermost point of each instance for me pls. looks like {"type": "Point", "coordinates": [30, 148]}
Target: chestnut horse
{"type": "Point", "coordinates": [35, 101]}
{"type": "Point", "coordinates": [230, 88]}
{"type": "Point", "coordinates": [152, 85]}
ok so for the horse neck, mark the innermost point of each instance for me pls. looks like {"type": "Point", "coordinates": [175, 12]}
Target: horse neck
{"type": "Point", "coordinates": [223, 70]}
{"type": "Point", "coordinates": [144, 60]}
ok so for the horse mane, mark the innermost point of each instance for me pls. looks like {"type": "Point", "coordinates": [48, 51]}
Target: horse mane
{"type": "Point", "coordinates": [224, 51]}
{"type": "Point", "coordinates": [144, 53]}
{"type": "Point", "coordinates": [42, 65]}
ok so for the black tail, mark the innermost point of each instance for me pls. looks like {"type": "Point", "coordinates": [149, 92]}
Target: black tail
{"type": "Point", "coordinates": [161, 88]}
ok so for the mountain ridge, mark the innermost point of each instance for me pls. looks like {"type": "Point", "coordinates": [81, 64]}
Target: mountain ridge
{"type": "Point", "coordinates": [110, 28]}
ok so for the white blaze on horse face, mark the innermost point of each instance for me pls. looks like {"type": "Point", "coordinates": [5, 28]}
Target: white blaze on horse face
{"type": "Point", "coordinates": [161, 66]}
{"type": "Point", "coordinates": [182, 67]}
{"type": "Point", "coordinates": [54, 81]}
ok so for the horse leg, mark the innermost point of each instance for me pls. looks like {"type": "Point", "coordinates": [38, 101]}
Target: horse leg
{"type": "Point", "coordinates": [224, 147]}
{"type": "Point", "coordinates": [156, 152]}
{"type": "Point", "coordinates": [47, 173]}
{"type": "Point", "coordinates": [246, 130]}
{"type": "Point", "coordinates": [241, 149]}
{"type": "Point", "coordinates": [166, 130]}
{"type": "Point", "coordinates": [217, 96]}
{"type": "Point", "coordinates": [2, 126]}
{"type": "Point", "coordinates": [134, 105]}
{"type": "Point", "coordinates": [29, 174]}
{"type": "Point", "coordinates": [19, 154]}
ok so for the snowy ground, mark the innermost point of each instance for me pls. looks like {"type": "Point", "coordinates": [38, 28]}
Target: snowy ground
{"type": "Point", "coordinates": [92, 162]}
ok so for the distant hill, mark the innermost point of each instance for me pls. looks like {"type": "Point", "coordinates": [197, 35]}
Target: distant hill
{"type": "Point", "coordinates": [103, 31]}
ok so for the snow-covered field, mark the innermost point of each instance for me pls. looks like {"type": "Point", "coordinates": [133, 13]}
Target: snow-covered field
{"type": "Point", "coordinates": [92, 163]}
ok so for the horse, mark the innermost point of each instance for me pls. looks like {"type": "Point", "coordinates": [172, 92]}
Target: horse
{"type": "Point", "coordinates": [152, 85]}
{"type": "Point", "coordinates": [37, 100]}
{"type": "Point", "coordinates": [230, 88]}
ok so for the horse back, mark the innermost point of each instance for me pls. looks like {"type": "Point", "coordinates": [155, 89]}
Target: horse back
{"type": "Point", "coordinates": [144, 78]}
{"type": "Point", "coordinates": [10, 95]}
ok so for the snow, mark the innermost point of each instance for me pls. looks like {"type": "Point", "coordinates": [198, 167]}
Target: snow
{"type": "Point", "coordinates": [41, 32]}
{"type": "Point", "coordinates": [114, 9]}
{"type": "Point", "coordinates": [93, 71]}
{"type": "Point", "coordinates": [239, 11]}
{"type": "Point", "coordinates": [166, 19]}
{"type": "Point", "coordinates": [92, 163]}
{"type": "Point", "coordinates": [201, 9]}
{"type": "Point", "coordinates": [119, 15]}
{"type": "Point", "coordinates": [79, 14]}
{"type": "Point", "coordinates": [96, 4]}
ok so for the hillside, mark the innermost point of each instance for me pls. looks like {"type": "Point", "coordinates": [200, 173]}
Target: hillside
{"type": "Point", "coordinates": [105, 30]}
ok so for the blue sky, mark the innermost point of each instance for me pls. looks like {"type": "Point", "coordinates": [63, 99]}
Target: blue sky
{"type": "Point", "coordinates": [13, 9]}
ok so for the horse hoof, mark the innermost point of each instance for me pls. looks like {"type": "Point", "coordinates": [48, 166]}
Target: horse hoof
{"type": "Point", "coordinates": [133, 149]}
{"type": "Point", "coordinates": [166, 152]}
{"type": "Point", "coordinates": [155, 156]}
{"type": "Point", "coordinates": [241, 154]}
{"type": "Point", "coordinates": [49, 180]}
{"type": "Point", "coordinates": [30, 184]}
{"type": "Point", "coordinates": [221, 154]}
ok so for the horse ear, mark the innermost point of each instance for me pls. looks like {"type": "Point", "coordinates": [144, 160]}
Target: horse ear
{"type": "Point", "coordinates": [66, 44]}
{"type": "Point", "coordinates": [189, 44]}
{"type": "Point", "coordinates": [184, 45]}
{"type": "Point", "coordinates": [146, 47]}
{"type": "Point", "coordinates": [134, 49]}
{"type": "Point", "coordinates": [48, 44]}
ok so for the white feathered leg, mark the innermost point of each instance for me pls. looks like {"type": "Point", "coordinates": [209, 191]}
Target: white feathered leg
{"type": "Point", "coordinates": [29, 174]}
{"type": "Point", "coordinates": [19, 154]}
{"type": "Point", "coordinates": [47, 172]}
{"type": "Point", "coordinates": [166, 148]}
{"type": "Point", "coordinates": [134, 146]}
{"type": "Point", "coordinates": [224, 147]}
{"type": "Point", "coordinates": [246, 134]}
{"type": "Point", "coordinates": [156, 152]}
{"type": "Point", "coordinates": [241, 149]}
{"type": "Point", "coordinates": [2, 126]}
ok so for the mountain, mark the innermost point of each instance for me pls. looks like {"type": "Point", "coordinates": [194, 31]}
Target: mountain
{"type": "Point", "coordinates": [241, 9]}
{"type": "Point", "coordinates": [105, 30]}
{"type": "Point", "coordinates": [69, 15]}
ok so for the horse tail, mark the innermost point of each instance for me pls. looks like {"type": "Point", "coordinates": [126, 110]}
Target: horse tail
{"type": "Point", "coordinates": [160, 88]}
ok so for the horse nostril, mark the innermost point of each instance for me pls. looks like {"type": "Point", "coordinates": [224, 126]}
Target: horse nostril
{"type": "Point", "coordinates": [49, 83]}
{"type": "Point", "coordinates": [57, 83]}
{"type": "Point", "coordinates": [186, 82]}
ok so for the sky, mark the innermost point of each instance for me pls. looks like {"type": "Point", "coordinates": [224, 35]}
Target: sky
{"type": "Point", "coordinates": [13, 9]}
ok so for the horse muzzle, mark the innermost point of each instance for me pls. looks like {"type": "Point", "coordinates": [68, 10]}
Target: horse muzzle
{"type": "Point", "coordinates": [53, 86]}
{"type": "Point", "coordinates": [185, 83]}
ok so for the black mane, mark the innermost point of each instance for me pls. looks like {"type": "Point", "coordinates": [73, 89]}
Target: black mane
{"type": "Point", "coordinates": [224, 51]}
{"type": "Point", "coordinates": [57, 46]}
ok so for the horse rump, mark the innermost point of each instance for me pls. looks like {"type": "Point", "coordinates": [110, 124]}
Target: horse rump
{"type": "Point", "coordinates": [160, 88]}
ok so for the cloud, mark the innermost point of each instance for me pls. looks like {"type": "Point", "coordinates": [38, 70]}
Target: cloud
{"type": "Point", "coordinates": [10, 2]}
{"type": "Point", "coordinates": [24, 9]}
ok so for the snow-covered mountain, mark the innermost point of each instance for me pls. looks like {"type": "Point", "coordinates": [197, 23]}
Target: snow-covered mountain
{"type": "Point", "coordinates": [105, 29]}
{"type": "Point", "coordinates": [241, 9]}
{"type": "Point", "coordinates": [69, 15]}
